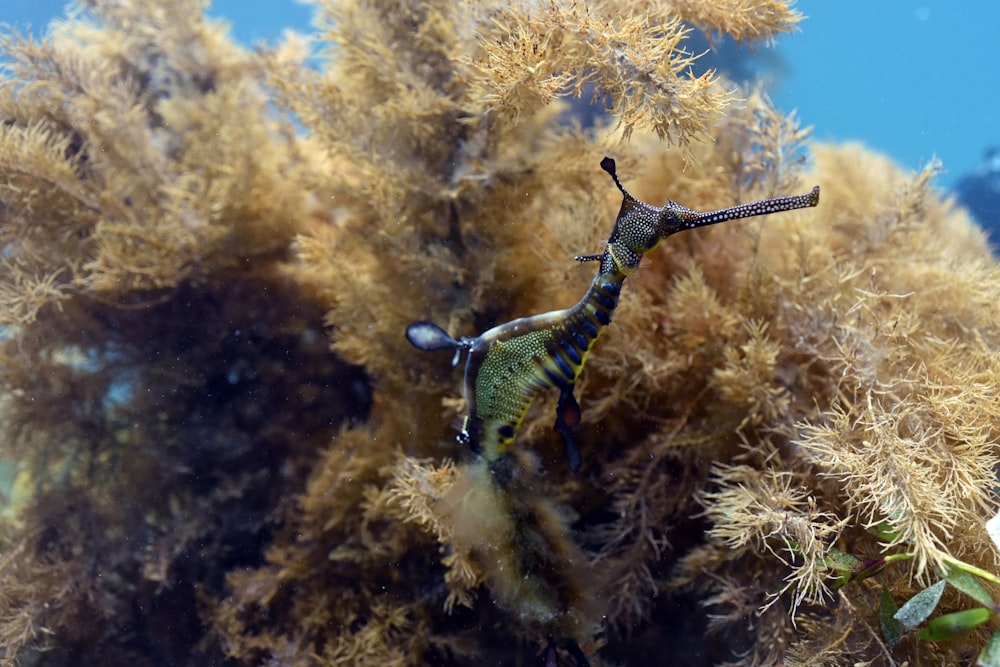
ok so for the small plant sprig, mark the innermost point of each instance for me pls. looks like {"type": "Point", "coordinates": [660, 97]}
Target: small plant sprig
{"type": "Point", "coordinates": [895, 621]}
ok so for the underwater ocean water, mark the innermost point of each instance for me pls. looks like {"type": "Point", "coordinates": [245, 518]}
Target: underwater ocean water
{"type": "Point", "coordinates": [914, 80]}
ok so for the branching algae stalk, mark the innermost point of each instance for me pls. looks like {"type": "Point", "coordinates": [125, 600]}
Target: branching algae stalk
{"type": "Point", "coordinates": [507, 366]}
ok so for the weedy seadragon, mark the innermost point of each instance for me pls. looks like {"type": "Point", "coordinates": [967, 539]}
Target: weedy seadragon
{"type": "Point", "coordinates": [507, 366]}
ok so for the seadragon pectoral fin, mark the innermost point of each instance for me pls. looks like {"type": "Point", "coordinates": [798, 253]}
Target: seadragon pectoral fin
{"type": "Point", "coordinates": [567, 417]}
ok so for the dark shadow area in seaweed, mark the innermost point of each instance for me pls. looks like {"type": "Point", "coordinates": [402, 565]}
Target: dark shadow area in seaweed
{"type": "Point", "coordinates": [181, 433]}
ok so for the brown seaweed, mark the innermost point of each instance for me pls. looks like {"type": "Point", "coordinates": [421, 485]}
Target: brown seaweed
{"type": "Point", "coordinates": [187, 226]}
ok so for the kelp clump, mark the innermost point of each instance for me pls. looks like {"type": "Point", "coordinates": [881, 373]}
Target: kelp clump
{"type": "Point", "coordinates": [788, 431]}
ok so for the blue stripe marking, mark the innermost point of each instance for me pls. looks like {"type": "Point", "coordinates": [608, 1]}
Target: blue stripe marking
{"type": "Point", "coordinates": [571, 352]}
{"type": "Point", "coordinates": [555, 379]}
{"type": "Point", "coordinates": [563, 366]}
{"type": "Point", "coordinates": [609, 303]}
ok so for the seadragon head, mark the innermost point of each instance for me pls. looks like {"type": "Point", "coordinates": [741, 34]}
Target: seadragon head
{"type": "Point", "coordinates": [640, 227]}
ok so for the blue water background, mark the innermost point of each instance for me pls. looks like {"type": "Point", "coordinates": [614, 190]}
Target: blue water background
{"type": "Point", "coordinates": [914, 80]}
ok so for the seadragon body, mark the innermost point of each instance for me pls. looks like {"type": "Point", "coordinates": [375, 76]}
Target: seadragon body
{"type": "Point", "coordinates": [509, 365]}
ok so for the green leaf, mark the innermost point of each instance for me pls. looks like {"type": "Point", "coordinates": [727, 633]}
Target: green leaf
{"type": "Point", "coordinates": [842, 564]}
{"type": "Point", "coordinates": [969, 585]}
{"type": "Point", "coordinates": [885, 532]}
{"type": "Point", "coordinates": [892, 630]}
{"type": "Point", "coordinates": [840, 561]}
{"type": "Point", "coordinates": [920, 606]}
{"type": "Point", "coordinates": [990, 657]}
{"type": "Point", "coordinates": [952, 625]}
{"type": "Point", "coordinates": [971, 569]}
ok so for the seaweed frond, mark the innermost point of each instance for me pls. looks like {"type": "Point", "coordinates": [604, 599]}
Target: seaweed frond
{"type": "Point", "coordinates": [634, 62]}
{"type": "Point", "coordinates": [771, 511]}
{"type": "Point", "coordinates": [744, 20]}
